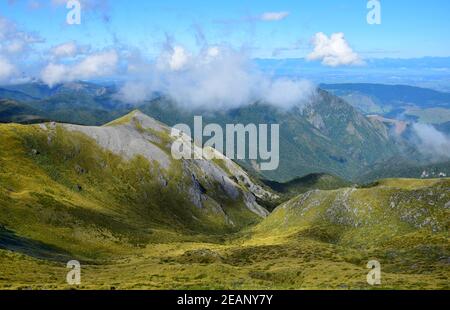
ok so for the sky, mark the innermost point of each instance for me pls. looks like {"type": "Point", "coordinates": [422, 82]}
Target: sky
{"type": "Point", "coordinates": [408, 28]}
{"type": "Point", "coordinates": [198, 51]}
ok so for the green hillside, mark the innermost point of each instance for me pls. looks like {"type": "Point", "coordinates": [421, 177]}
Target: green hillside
{"type": "Point", "coordinates": [402, 223]}
{"type": "Point", "coordinates": [13, 111]}
{"type": "Point", "coordinates": [304, 184]}
{"type": "Point", "coordinates": [74, 192]}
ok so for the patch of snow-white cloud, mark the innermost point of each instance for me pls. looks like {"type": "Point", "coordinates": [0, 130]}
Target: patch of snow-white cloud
{"type": "Point", "coordinates": [218, 77]}
{"type": "Point", "coordinates": [333, 51]}
{"type": "Point", "coordinates": [96, 65]}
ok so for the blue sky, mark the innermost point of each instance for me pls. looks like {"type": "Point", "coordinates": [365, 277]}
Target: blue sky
{"type": "Point", "coordinates": [408, 29]}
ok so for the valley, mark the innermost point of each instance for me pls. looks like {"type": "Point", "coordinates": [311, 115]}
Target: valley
{"type": "Point", "coordinates": [111, 198]}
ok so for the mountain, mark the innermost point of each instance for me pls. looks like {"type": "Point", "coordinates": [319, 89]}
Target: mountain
{"type": "Point", "coordinates": [394, 95]}
{"type": "Point", "coordinates": [76, 102]}
{"type": "Point", "coordinates": [94, 191]}
{"type": "Point", "coordinates": [113, 198]}
{"type": "Point", "coordinates": [396, 101]}
{"type": "Point", "coordinates": [400, 167]}
{"type": "Point", "coordinates": [326, 136]}
{"type": "Point", "coordinates": [324, 239]}
{"type": "Point", "coordinates": [13, 111]}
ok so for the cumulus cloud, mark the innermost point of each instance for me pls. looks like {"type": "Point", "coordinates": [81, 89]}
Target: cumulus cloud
{"type": "Point", "coordinates": [92, 66]}
{"type": "Point", "coordinates": [217, 77]}
{"type": "Point", "coordinates": [175, 58]}
{"type": "Point", "coordinates": [274, 16]}
{"type": "Point", "coordinates": [333, 51]}
{"type": "Point", "coordinates": [431, 142]}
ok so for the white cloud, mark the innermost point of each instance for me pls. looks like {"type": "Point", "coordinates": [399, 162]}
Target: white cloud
{"type": "Point", "coordinates": [215, 78]}
{"type": "Point", "coordinates": [274, 16]}
{"type": "Point", "coordinates": [92, 66]}
{"type": "Point", "coordinates": [68, 49]}
{"type": "Point", "coordinates": [178, 58]}
{"type": "Point", "coordinates": [7, 70]}
{"type": "Point", "coordinates": [134, 92]}
{"type": "Point", "coordinates": [286, 93]}
{"type": "Point", "coordinates": [431, 141]}
{"type": "Point", "coordinates": [54, 74]}
{"type": "Point", "coordinates": [333, 51]}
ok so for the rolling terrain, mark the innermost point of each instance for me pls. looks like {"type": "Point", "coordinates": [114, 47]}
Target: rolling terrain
{"type": "Point", "coordinates": [113, 198]}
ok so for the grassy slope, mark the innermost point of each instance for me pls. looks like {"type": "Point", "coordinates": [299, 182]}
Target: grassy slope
{"type": "Point", "coordinates": [130, 233]}
{"type": "Point", "coordinates": [309, 182]}
{"type": "Point", "coordinates": [91, 203]}
{"type": "Point", "coordinates": [402, 223]}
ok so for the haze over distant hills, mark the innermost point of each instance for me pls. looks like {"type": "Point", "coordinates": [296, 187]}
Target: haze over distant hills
{"type": "Point", "coordinates": [428, 72]}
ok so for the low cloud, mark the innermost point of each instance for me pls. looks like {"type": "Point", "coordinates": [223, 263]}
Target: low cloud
{"type": "Point", "coordinates": [274, 16]}
{"type": "Point", "coordinates": [218, 77]}
{"type": "Point", "coordinates": [7, 70]}
{"type": "Point", "coordinates": [92, 66]}
{"type": "Point", "coordinates": [431, 142]}
{"type": "Point", "coordinates": [333, 51]}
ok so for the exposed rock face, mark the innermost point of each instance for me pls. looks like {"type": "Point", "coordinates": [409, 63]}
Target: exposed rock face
{"type": "Point", "coordinates": [124, 140]}
{"type": "Point", "coordinates": [139, 134]}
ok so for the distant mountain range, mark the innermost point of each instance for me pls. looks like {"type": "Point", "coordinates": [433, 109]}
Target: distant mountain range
{"type": "Point", "coordinates": [396, 101]}
{"type": "Point", "coordinates": [327, 135]}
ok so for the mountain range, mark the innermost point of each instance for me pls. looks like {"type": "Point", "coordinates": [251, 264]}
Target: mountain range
{"type": "Point", "coordinates": [113, 198]}
{"type": "Point", "coordinates": [324, 135]}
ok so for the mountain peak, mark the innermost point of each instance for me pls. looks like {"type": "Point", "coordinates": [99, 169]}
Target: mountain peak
{"type": "Point", "coordinates": [138, 120]}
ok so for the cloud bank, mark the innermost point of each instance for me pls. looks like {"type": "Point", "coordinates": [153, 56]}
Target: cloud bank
{"type": "Point", "coordinates": [431, 142]}
{"type": "Point", "coordinates": [96, 65]}
{"type": "Point", "coordinates": [333, 51]}
{"type": "Point", "coordinates": [217, 77]}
